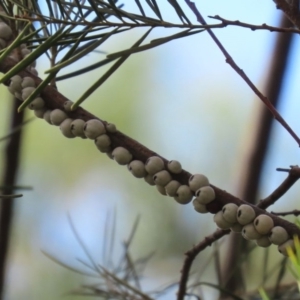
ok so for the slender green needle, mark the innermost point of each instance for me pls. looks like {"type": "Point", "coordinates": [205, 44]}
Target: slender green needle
{"type": "Point", "coordinates": [32, 56]}
{"type": "Point", "coordinates": [86, 69]}
{"type": "Point", "coordinates": [46, 81]}
{"type": "Point", "coordinates": [153, 43]}
{"type": "Point", "coordinates": [263, 294]}
{"type": "Point", "coordinates": [102, 79]}
{"type": "Point", "coordinates": [81, 53]}
{"type": "Point", "coordinates": [15, 43]}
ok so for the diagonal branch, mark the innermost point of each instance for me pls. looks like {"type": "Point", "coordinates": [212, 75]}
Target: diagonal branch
{"type": "Point", "coordinates": [232, 63]}
{"type": "Point", "coordinates": [53, 100]}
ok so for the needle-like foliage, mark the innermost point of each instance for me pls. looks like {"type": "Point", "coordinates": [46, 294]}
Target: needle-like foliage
{"type": "Point", "coordinates": [67, 31]}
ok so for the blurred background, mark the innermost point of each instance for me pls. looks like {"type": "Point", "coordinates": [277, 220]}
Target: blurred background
{"type": "Point", "coordinates": [181, 100]}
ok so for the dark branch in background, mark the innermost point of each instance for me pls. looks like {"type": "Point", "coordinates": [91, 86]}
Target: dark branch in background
{"type": "Point", "coordinates": [11, 160]}
{"type": "Point", "coordinates": [232, 63]}
{"type": "Point", "coordinates": [252, 178]}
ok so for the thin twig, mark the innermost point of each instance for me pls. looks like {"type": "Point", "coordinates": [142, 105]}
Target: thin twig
{"type": "Point", "coordinates": [191, 255]}
{"type": "Point", "coordinates": [291, 179]}
{"type": "Point", "coordinates": [224, 23]}
{"type": "Point", "coordinates": [294, 212]}
{"type": "Point", "coordinates": [254, 27]}
{"type": "Point", "coordinates": [232, 63]}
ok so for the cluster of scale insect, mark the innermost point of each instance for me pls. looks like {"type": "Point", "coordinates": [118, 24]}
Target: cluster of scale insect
{"type": "Point", "coordinates": [154, 171]}
{"type": "Point", "coordinates": [6, 35]}
{"type": "Point", "coordinates": [259, 228]}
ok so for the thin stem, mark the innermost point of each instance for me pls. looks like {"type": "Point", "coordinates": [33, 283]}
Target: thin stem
{"type": "Point", "coordinates": [281, 28]}
{"type": "Point", "coordinates": [291, 179]}
{"type": "Point", "coordinates": [294, 212]}
{"type": "Point", "coordinates": [232, 63]}
{"type": "Point", "coordinates": [190, 257]}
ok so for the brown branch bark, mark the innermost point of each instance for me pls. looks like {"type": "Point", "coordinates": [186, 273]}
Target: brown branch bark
{"type": "Point", "coordinates": [293, 176]}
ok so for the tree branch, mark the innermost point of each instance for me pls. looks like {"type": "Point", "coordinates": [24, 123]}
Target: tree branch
{"type": "Point", "coordinates": [54, 99]}
{"type": "Point", "coordinates": [252, 27]}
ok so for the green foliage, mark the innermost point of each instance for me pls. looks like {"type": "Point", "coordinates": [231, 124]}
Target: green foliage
{"type": "Point", "coordinates": [294, 257]}
{"type": "Point", "coordinates": [78, 29]}
{"type": "Point", "coordinates": [263, 294]}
